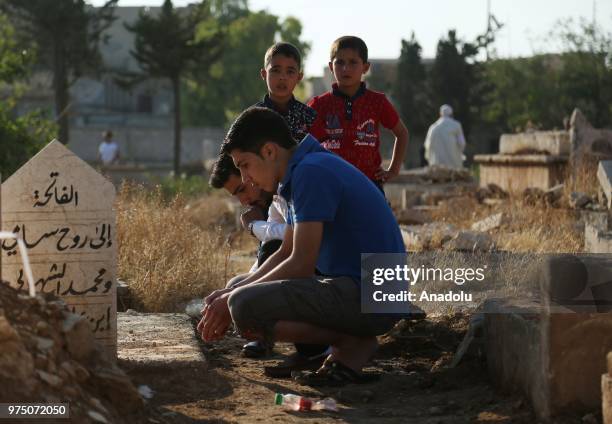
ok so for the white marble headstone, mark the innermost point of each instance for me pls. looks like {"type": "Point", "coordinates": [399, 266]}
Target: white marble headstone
{"type": "Point", "coordinates": [63, 210]}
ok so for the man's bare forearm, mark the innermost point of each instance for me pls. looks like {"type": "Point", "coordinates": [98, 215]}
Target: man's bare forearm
{"type": "Point", "coordinates": [270, 263]}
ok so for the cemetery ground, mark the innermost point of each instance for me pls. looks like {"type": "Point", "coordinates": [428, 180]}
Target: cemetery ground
{"type": "Point", "coordinates": [417, 385]}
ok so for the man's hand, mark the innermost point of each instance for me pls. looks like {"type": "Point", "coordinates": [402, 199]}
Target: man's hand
{"type": "Point", "coordinates": [251, 214]}
{"type": "Point", "coordinates": [215, 294]}
{"type": "Point", "coordinates": [216, 319]}
{"type": "Point", "coordinates": [384, 176]}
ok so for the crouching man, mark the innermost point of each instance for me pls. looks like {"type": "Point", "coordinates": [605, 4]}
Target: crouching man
{"type": "Point", "coordinates": [335, 214]}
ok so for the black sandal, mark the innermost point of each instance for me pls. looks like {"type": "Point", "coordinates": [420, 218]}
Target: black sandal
{"type": "Point", "coordinates": [335, 374]}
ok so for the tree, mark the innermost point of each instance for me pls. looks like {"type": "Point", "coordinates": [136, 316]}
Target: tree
{"type": "Point", "coordinates": [67, 33]}
{"type": "Point", "coordinates": [545, 88]}
{"type": "Point", "coordinates": [451, 76]}
{"type": "Point", "coordinates": [410, 86]}
{"type": "Point", "coordinates": [166, 47]}
{"type": "Point", "coordinates": [21, 137]}
{"type": "Point", "coordinates": [233, 83]}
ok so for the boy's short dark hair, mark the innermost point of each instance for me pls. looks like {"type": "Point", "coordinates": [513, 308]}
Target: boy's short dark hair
{"type": "Point", "coordinates": [286, 49]}
{"type": "Point", "coordinates": [222, 169]}
{"type": "Point", "coordinates": [349, 42]}
{"type": "Point", "coordinates": [255, 127]}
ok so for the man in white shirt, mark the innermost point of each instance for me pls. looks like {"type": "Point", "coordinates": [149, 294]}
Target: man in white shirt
{"type": "Point", "coordinates": [108, 151]}
{"type": "Point", "coordinates": [445, 142]}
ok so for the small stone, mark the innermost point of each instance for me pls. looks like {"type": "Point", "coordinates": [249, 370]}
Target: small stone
{"type": "Point", "coordinates": [42, 327]}
{"type": "Point", "coordinates": [490, 223]}
{"type": "Point", "coordinates": [50, 379]}
{"type": "Point", "coordinates": [97, 417]}
{"type": "Point", "coordinates": [7, 332]}
{"type": "Point", "coordinates": [43, 343]}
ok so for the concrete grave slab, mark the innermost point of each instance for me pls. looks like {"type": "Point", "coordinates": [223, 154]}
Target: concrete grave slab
{"type": "Point", "coordinates": [518, 172]}
{"type": "Point", "coordinates": [158, 339]}
{"type": "Point", "coordinates": [549, 142]}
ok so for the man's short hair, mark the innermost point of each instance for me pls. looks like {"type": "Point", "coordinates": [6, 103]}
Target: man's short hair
{"type": "Point", "coordinates": [349, 42]}
{"type": "Point", "coordinates": [286, 49]}
{"type": "Point", "coordinates": [222, 170]}
{"type": "Point", "coordinates": [108, 134]}
{"type": "Point", "coordinates": [255, 127]}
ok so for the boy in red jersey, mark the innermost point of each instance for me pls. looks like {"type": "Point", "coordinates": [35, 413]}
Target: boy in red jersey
{"type": "Point", "coordinates": [348, 116]}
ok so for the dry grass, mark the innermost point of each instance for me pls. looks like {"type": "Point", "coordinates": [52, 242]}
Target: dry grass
{"type": "Point", "coordinates": [582, 177]}
{"type": "Point", "coordinates": [526, 228]}
{"type": "Point", "coordinates": [166, 256]}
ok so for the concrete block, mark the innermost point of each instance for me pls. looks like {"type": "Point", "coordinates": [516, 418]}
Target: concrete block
{"type": "Point", "coordinates": [550, 142]}
{"type": "Point", "coordinates": [597, 219]}
{"type": "Point", "coordinates": [596, 240]}
{"type": "Point", "coordinates": [606, 399]}
{"type": "Point", "coordinates": [422, 237]}
{"type": "Point", "coordinates": [556, 360]}
{"type": "Point", "coordinates": [471, 241]}
{"type": "Point", "coordinates": [553, 349]}
{"type": "Point", "coordinates": [489, 223]}
{"type": "Point", "coordinates": [604, 175]}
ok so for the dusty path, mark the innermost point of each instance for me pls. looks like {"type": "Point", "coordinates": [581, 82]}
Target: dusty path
{"type": "Point", "coordinates": [415, 387]}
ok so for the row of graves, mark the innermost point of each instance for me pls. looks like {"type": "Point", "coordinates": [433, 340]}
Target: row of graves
{"type": "Point", "coordinates": [555, 346]}
{"type": "Point", "coordinates": [549, 343]}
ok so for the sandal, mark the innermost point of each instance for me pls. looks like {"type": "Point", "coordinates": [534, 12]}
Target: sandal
{"type": "Point", "coordinates": [334, 373]}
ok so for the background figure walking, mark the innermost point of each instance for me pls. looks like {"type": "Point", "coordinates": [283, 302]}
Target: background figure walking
{"type": "Point", "coordinates": [445, 142]}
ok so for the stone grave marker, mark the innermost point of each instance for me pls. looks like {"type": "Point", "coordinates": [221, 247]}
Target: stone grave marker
{"type": "Point", "coordinates": [587, 141]}
{"type": "Point", "coordinates": [63, 210]}
{"type": "Point", "coordinates": [604, 175]}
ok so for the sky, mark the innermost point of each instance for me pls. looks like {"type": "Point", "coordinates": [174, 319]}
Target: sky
{"type": "Point", "coordinates": [384, 23]}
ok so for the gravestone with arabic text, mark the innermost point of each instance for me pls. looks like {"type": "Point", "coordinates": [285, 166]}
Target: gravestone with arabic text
{"type": "Point", "coordinates": [63, 210]}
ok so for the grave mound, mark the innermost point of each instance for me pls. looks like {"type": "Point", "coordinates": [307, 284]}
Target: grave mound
{"type": "Point", "coordinates": [49, 355]}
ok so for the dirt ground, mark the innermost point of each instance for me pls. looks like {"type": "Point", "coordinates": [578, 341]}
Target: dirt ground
{"type": "Point", "coordinates": [417, 386]}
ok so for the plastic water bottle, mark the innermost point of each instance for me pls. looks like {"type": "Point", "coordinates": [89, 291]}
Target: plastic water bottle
{"type": "Point", "coordinates": [301, 403]}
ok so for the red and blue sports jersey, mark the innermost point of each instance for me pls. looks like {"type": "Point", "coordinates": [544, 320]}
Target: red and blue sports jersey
{"type": "Point", "coordinates": [349, 126]}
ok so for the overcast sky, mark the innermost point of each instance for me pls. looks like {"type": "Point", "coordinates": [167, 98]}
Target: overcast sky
{"type": "Point", "coordinates": [383, 23]}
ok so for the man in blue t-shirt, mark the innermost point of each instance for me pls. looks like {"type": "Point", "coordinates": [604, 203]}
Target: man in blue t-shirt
{"type": "Point", "coordinates": [336, 214]}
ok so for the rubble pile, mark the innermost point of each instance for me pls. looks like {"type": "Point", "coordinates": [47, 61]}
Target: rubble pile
{"type": "Point", "coordinates": [48, 355]}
